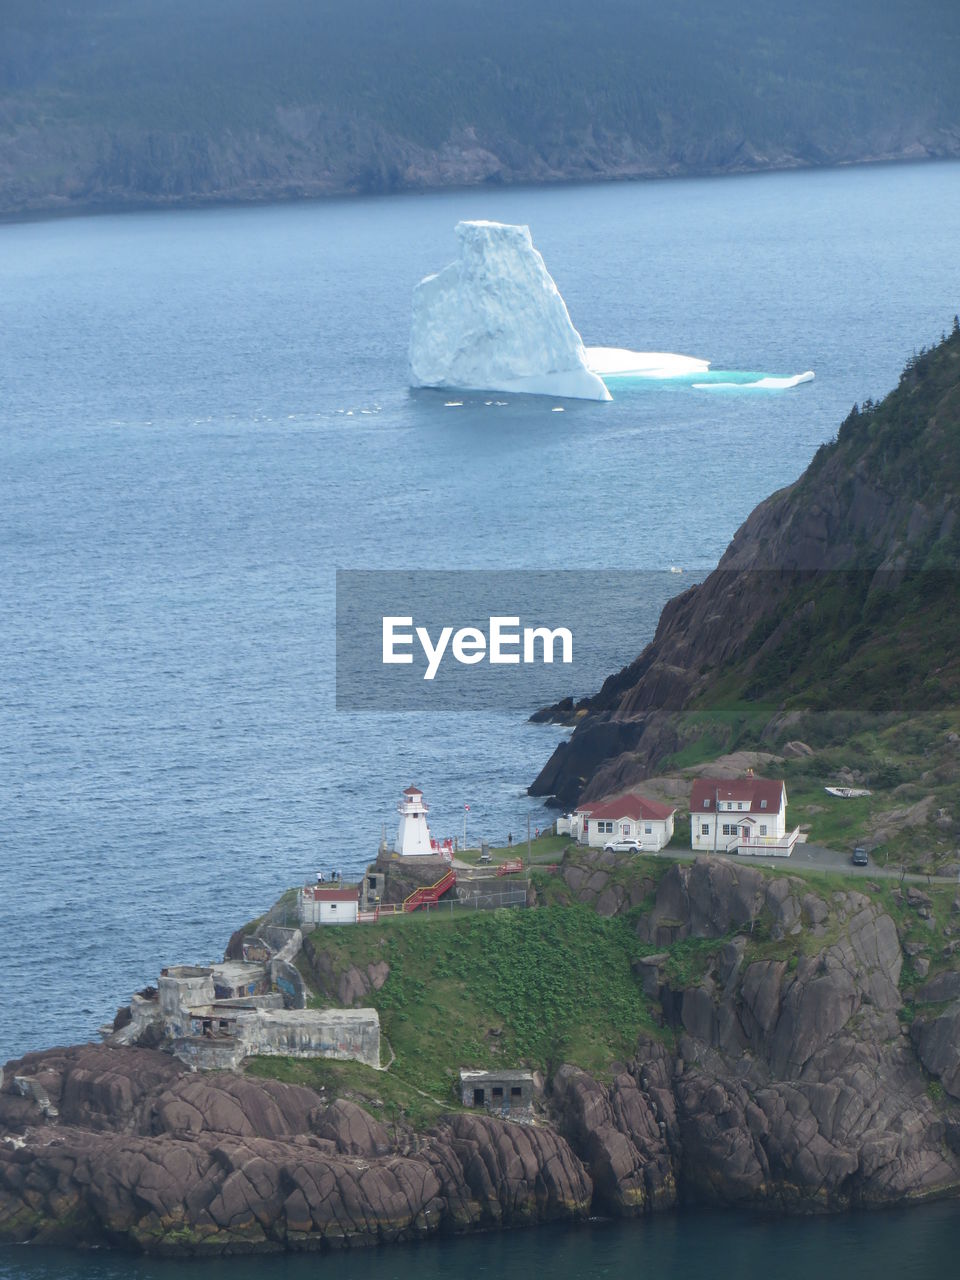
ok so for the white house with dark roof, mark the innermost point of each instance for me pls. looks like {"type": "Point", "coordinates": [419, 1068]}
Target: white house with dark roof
{"type": "Point", "coordinates": [628, 817]}
{"type": "Point", "coordinates": [740, 815]}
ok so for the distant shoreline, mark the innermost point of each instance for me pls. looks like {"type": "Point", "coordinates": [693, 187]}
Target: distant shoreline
{"type": "Point", "coordinates": [57, 211]}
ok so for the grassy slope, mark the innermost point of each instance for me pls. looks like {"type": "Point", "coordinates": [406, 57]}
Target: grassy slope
{"type": "Point", "coordinates": [539, 987]}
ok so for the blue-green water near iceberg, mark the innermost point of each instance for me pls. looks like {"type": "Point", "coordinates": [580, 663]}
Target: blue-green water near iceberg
{"type": "Point", "coordinates": [204, 414]}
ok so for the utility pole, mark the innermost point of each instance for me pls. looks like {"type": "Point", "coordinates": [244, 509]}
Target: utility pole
{"type": "Point", "coordinates": [529, 853]}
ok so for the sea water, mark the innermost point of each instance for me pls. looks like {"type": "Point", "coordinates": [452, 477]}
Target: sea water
{"type": "Point", "coordinates": [204, 414]}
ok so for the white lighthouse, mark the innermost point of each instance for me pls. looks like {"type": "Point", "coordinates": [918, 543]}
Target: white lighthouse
{"type": "Point", "coordinates": [414, 834]}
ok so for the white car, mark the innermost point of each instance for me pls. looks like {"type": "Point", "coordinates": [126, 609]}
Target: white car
{"type": "Point", "coordinates": [622, 846]}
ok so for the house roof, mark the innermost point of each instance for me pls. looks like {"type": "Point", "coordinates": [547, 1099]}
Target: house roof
{"type": "Point", "coordinates": [639, 808]}
{"type": "Point", "coordinates": [321, 893]}
{"type": "Point", "coordinates": [762, 795]}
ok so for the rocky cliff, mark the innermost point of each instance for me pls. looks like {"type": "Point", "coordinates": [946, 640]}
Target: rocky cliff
{"type": "Point", "coordinates": [788, 1073]}
{"type": "Point", "coordinates": [860, 551]}
{"type": "Point", "coordinates": [125, 1146]}
{"type": "Point", "coordinates": [797, 1083]}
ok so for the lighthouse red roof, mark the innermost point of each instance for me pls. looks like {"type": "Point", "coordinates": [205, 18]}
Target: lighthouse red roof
{"type": "Point", "coordinates": [413, 791]}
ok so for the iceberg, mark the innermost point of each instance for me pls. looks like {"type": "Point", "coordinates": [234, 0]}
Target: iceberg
{"type": "Point", "coordinates": [617, 362]}
{"type": "Point", "coordinates": [495, 321]}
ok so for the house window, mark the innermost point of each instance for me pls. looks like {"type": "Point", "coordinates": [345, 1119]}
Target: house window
{"type": "Point", "coordinates": [516, 1091]}
{"type": "Point", "coordinates": [763, 828]}
{"type": "Point", "coordinates": [763, 804]}
{"type": "Point", "coordinates": [609, 828]}
{"type": "Point", "coordinates": [729, 828]}
{"type": "Point", "coordinates": [333, 906]}
{"type": "Point", "coordinates": [706, 803]}
{"type": "Point", "coordinates": [704, 829]}
{"type": "Point", "coordinates": [648, 830]}
{"type": "Point", "coordinates": [497, 1093]}
{"type": "Point", "coordinates": [739, 804]}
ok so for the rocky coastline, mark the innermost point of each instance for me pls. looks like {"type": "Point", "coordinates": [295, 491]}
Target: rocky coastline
{"type": "Point", "coordinates": [790, 1077]}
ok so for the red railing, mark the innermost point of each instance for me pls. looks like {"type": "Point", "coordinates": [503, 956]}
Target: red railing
{"type": "Point", "coordinates": [508, 868]}
{"type": "Point", "coordinates": [427, 895]}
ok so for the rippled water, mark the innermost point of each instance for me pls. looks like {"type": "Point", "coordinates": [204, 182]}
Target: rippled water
{"type": "Point", "coordinates": [204, 414]}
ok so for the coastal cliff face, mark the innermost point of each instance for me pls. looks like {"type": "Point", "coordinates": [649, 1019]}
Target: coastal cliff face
{"type": "Point", "coordinates": [126, 1146]}
{"type": "Point", "coordinates": [797, 1083]}
{"type": "Point", "coordinates": [788, 1074]}
{"type": "Point", "coordinates": [801, 608]}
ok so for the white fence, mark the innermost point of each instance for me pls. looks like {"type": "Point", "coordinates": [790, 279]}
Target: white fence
{"type": "Point", "coordinates": [767, 846]}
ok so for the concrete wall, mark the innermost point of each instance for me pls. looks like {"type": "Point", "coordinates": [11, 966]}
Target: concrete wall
{"type": "Point", "coordinates": [143, 1014]}
{"type": "Point", "coordinates": [487, 894]}
{"type": "Point", "coordinates": [183, 986]}
{"type": "Point", "coordinates": [284, 943]}
{"type": "Point", "coordinates": [209, 1055]}
{"type": "Point", "coordinates": [347, 1034]}
{"type": "Point", "coordinates": [506, 1092]}
{"type": "Point", "coordinates": [288, 980]}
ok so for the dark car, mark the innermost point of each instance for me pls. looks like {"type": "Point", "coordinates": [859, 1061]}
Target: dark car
{"type": "Point", "coordinates": [860, 858]}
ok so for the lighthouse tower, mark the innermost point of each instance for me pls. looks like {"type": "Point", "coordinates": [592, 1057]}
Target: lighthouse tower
{"type": "Point", "coordinates": [414, 834]}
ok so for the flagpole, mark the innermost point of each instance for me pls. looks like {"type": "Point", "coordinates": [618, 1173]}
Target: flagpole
{"type": "Point", "coordinates": [465, 807]}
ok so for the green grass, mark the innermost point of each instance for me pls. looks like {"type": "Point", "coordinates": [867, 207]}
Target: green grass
{"type": "Point", "coordinates": [547, 848]}
{"type": "Point", "coordinates": [386, 1094]}
{"type": "Point", "coordinates": [503, 988]}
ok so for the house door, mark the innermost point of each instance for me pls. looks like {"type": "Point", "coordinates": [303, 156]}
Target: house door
{"type": "Point", "coordinates": [744, 833]}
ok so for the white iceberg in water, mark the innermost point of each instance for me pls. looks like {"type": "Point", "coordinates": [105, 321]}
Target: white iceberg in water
{"type": "Point", "coordinates": [495, 321]}
{"type": "Point", "coordinates": [620, 363]}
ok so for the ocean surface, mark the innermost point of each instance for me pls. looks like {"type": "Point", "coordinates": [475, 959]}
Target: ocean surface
{"type": "Point", "coordinates": [203, 415]}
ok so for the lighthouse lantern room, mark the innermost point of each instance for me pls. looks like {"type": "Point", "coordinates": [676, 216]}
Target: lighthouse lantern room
{"type": "Point", "coordinates": [413, 837]}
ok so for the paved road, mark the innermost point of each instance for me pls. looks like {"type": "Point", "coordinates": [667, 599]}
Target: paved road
{"type": "Point", "coordinates": [816, 857]}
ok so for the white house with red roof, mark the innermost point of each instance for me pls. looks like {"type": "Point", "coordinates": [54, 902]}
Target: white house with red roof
{"type": "Point", "coordinates": [329, 904]}
{"type": "Point", "coordinates": [740, 815]}
{"type": "Point", "coordinates": [628, 817]}
{"type": "Point", "coordinates": [413, 834]}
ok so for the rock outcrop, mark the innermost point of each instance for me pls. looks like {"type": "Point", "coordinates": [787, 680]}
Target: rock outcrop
{"type": "Point", "coordinates": [787, 1074]}
{"type": "Point", "coordinates": [128, 1147]}
{"type": "Point", "coordinates": [795, 1085]}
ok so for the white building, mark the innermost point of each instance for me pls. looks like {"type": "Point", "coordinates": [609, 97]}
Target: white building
{"type": "Point", "coordinates": [413, 835]}
{"type": "Point", "coordinates": [629, 817]}
{"type": "Point", "coordinates": [329, 904]}
{"type": "Point", "coordinates": [740, 815]}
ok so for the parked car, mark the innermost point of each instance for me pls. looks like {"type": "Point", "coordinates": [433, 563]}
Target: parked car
{"type": "Point", "coordinates": [622, 846]}
{"type": "Point", "coordinates": [860, 858]}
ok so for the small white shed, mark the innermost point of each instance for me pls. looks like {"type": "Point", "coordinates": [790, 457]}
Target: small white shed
{"type": "Point", "coordinates": [323, 904]}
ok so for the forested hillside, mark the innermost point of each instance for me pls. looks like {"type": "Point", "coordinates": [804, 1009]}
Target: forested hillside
{"type": "Point", "coordinates": [112, 102]}
{"type": "Point", "coordinates": [830, 625]}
